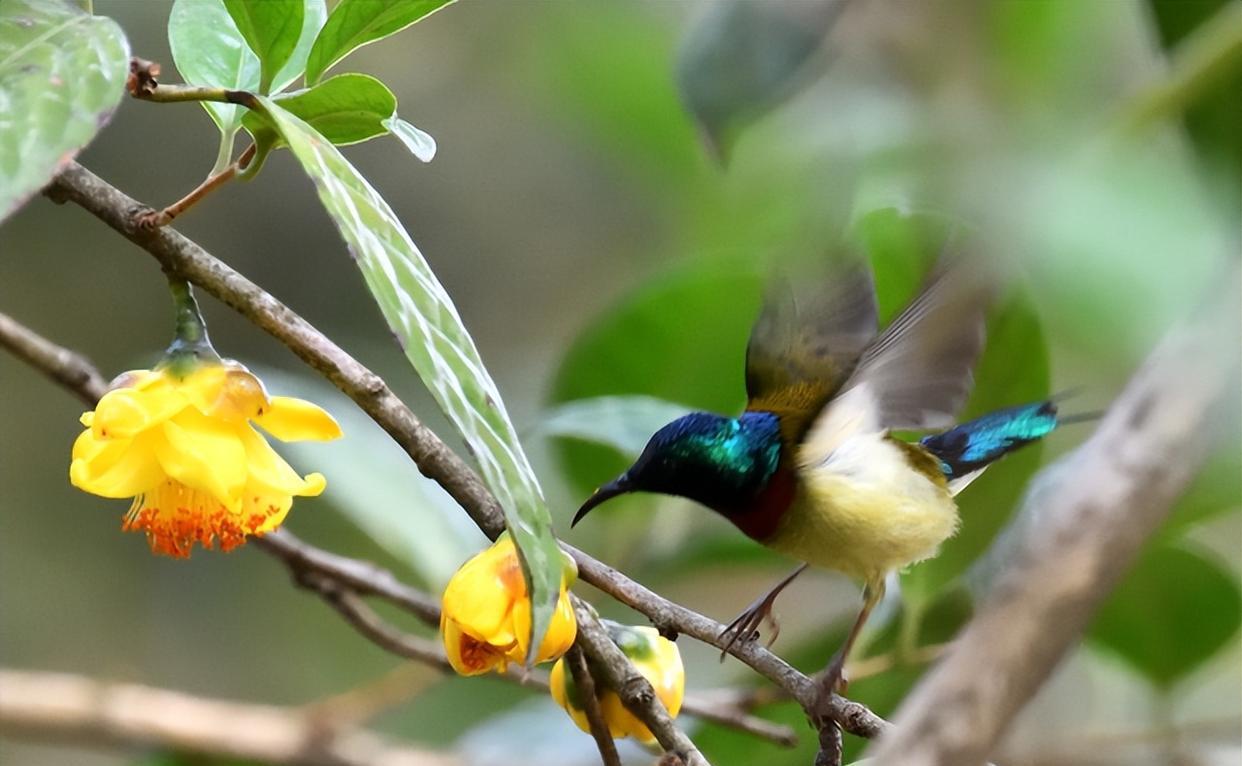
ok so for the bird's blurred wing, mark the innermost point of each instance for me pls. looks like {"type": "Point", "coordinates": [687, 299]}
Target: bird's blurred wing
{"type": "Point", "coordinates": [800, 354]}
{"type": "Point", "coordinates": [918, 373]}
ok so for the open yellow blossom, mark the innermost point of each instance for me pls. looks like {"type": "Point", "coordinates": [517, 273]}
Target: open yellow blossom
{"type": "Point", "coordinates": [655, 657]}
{"type": "Point", "coordinates": [182, 446]}
{"type": "Point", "coordinates": [485, 614]}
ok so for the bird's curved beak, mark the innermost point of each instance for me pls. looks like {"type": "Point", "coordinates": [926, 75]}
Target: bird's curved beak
{"type": "Point", "coordinates": [618, 486]}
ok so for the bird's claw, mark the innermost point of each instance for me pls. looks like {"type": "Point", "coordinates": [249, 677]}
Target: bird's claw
{"type": "Point", "coordinates": [833, 680]}
{"type": "Point", "coordinates": [745, 627]}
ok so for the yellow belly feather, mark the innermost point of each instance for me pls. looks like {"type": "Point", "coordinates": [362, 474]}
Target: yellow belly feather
{"type": "Point", "coordinates": [865, 511]}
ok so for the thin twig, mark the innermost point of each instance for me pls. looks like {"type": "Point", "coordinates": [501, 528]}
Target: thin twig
{"type": "Point", "coordinates": [151, 219]}
{"type": "Point", "coordinates": [68, 368]}
{"type": "Point", "coordinates": [143, 84]}
{"type": "Point", "coordinates": [584, 682]}
{"type": "Point", "coordinates": [1095, 507]}
{"type": "Point", "coordinates": [363, 577]}
{"type": "Point", "coordinates": [60, 707]}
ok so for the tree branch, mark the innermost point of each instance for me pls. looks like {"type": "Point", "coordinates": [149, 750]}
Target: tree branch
{"type": "Point", "coordinates": [68, 368]}
{"type": "Point", "coordinates": [1095, 508]}
{"type": "Point", "coordinates": [584, 682]}
{"type": "Point", "coordinates": [60, 707]}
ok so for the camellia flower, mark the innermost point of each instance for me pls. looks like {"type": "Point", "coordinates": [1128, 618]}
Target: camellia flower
{"type": "Point", "coordinates": [655, 657]}
{"type": "Point", "coordinates": [183, 447]}
{"type": "Point", "coordinates": [485, 613]}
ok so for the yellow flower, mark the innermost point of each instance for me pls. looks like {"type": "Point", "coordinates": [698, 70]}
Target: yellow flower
{"type": "Point", "coordinates": [184, 449]}
{"type": "Point", "coordinates": [655, 657]}
{"type": "Point", "coordinates": [485, 614]}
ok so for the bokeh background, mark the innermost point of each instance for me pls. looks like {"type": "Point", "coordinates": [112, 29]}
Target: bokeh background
{"type": "Point", "coordinates": [594, 246]}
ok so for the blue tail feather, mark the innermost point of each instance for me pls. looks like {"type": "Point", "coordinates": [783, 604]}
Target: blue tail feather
{"type": "Point", "coordinates": [971, 446]}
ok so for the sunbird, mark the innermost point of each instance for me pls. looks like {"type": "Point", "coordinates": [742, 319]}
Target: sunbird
{"type": "Point", "coordinates": [811, 468]}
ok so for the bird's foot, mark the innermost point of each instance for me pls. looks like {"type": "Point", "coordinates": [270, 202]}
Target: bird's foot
{"type": "Point", "coordinates": [833, 680]}
{"type": "Point", "coordinates": [745, 627]}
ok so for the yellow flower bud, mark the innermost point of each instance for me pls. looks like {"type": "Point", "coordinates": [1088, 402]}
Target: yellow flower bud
{"type": "Point", "coordinates": [655, 657]}
{"type": "Point", "coordinates": [485, 614]}
{"type": "Point", "coordinates": [184, 449]}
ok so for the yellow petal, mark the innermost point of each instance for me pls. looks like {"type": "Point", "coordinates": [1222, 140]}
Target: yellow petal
{"type": "Point", "coordinates": [202, 387]}
{"type": "Point", "coordinates": [561, 632]}
{"type": "Point", "coordinates": [128, 411]}
{"type": "Point", "coordinates": [268, 468]}
{"type": "Point", "coordinates": [87, 418]}
{"type": "Point", "coordinates": [115, 468]}
{"type": "Point", "coordinates": [467, 655]}
{"type": "Point", "coordinates": [228, 391]}
{"type": "Point", "coordinates": [622, 723]}
{"type": "Point", "coordinates": [482, 595]}
{"type": "Point", "coordinates": [205, 454]}
{"type": "Point", "coordinates": [264, 510]}
{"type": "Point", "coordinates": [295, 420]}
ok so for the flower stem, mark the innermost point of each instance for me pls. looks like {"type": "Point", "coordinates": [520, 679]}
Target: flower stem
{"type": "Point", "coordinates": [190, 345]}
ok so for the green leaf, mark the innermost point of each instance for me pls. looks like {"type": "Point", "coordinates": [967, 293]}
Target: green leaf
{"type": "Point", "coordinates": [420, 143]}
{"type": "Point", "coordinates": [355, 23]}
{"type": "Point", "coordinates": [371, 482]}
{"type": "Point", "coordinates": [624, 423]}
{"type": "Point", "coordinates": [271, 28]}
{"type": "Point", "coordinates": [741, 57]}
{"type": "Point", "coordinates": [426, 324]}
{"type": "Point", "coordinates": [62, 74]}
{"type": "Point", "coordinates": [1174, 610]}
{"type": "Point", "coordinates": [314, 14]}
{"type": "Point", "coordinates": [208, 50]}
{"type": "Point", "coordinates": [345, 109]}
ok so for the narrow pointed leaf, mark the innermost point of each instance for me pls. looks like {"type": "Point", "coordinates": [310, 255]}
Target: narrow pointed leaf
{"type": "Point", "coordinates": [271, 28]}
{"type": "Point", "coordinates": [355, 23]}
{"type": "Point", "coordinates": [419, 142]}
{"type": "Point", "coordinates": [426, 324]}
{"type": "Point", "coordinates": [62, 74]}
{"type": "Point", "coordinates": [345, 109]}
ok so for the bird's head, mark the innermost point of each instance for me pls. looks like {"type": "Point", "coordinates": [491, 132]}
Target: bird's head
{"type": "Point", "coordinates": [718, 461]}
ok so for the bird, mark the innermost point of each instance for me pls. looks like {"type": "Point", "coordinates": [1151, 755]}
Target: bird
{"type": "Point", "coordinates": [812, 467]}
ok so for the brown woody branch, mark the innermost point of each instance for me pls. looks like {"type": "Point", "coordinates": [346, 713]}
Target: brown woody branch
{"type": "Point", "coordinates": [584, 682]}
{"type": "Point", "coordinates": [1095, 509]}
{"type": "Point", "coordinates": [68, 368]}
{"type": "Point", "coordinates": [182, 257]}
{"type": "Point", "coordinates": [63, 707]}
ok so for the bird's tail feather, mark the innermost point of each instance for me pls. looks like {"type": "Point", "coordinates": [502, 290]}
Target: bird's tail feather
{"type": "Point", "coordinates": [965, 450]}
